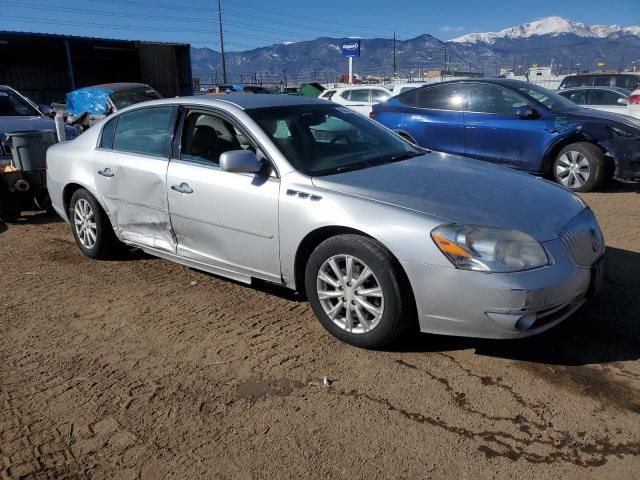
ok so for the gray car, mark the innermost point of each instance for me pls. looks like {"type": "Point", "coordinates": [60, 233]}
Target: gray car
{"type": "Point", "coordinates": [381, 235]}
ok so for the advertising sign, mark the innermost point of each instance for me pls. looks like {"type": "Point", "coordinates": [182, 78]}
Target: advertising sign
{"type": "Point", "coordinates": [350, 47]}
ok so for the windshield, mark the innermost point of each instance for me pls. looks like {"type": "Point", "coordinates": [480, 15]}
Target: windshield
{"type": "Point", "coordinates": [551, 100]}
{"type": "Point", "coordinates": [124, 98]}
{"type": "Point", "coordinates": [13, 105]}
{"type": "Point", "coordinates": [327, 139]}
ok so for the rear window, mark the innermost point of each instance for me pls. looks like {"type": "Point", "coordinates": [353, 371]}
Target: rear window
{"type": "Point", "coordinates": [124, 98]}
{"type": "Point", "coordinates": [145, 131]}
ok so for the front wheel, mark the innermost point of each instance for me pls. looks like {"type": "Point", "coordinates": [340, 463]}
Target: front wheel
{"type": "Point", "coordinates": [357, 292]}
{"type": "Point", "coordinates": [581, 167]}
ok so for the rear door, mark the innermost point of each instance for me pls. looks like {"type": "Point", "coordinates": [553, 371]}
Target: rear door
{"type": "Point", "coordinates": [359, 100]}
{"type": "Point", "coordinates": [130, 169]}
{"type": "Point", "coordinates": [493, 132]}
{"type": "Point", "coordinates": [434, 117]}
{"type": "Point", "coordinates": [578, 97]}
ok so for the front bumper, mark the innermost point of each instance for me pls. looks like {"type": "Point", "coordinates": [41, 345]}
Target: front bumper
{"type": "Point", "coordinates": [499, 305]}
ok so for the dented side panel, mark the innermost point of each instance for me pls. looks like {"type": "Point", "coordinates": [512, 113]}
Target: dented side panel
{"type": "Point", "coordinates": [135, 197]}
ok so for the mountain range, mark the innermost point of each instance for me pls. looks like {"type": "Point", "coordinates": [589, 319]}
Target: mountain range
{"type": "Point", "coordinates": [568, 45]}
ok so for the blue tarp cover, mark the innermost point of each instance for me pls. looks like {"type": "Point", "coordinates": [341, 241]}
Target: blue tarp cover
{"type": "Point", "coordinates": [90, 99]}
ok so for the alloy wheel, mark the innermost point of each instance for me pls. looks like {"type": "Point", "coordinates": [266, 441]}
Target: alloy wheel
{"type": "Point", "coordinates": [350, 294]}
{"type": "Point", "coordinates": [85, 224]}
{"type": "Point", "coordinates": [573, 169]}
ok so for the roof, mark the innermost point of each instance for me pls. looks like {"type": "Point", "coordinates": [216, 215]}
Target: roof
{"type": "Point", "coordinates": [624, 91]}
{"type": "Point", "coordinates": [259, 100]}
{"type": "Point", "coordinates": [117, 87]}
{"type": "Point", "coordinates": [80, 37]}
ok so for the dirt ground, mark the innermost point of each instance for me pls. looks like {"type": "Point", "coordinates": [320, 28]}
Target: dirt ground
{"type": "Point", "coordinates": [143, 369]}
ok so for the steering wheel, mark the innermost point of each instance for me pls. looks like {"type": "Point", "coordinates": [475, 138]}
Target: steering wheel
{"type": "Point", "coordinates": [342, 136]}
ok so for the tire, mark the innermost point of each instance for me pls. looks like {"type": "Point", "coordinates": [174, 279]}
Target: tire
{"type": "Point", "coordinates": [9, 211]}
{"type": "Point", "coordinates": [581, 167]}
{"type": "Point", "coordinates": [395, 306]}
{"type": "Point", "coordinates": [103, 243]}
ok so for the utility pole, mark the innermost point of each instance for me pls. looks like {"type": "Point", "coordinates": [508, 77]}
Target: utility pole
{"type": "Point", "coordinates": [395, 73]}
{"type": "Point", "coordinates": [224, 65]}
{"type": "Point", "coordinates": [445, 59]}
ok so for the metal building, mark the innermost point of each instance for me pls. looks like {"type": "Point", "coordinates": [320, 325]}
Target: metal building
{"type": "Point", "coordinates": [45, 67]}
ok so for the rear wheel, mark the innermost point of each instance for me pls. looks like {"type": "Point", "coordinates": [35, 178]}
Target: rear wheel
{"type": "Point", "coordinates": [90, 226]}
{"type": "Point", "coordinates": [355, 289]}
{"type": "Point", "coordinates": [581, 167]}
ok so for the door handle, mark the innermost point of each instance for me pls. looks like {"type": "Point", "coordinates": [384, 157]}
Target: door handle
{"type": "Point", "coordinates": [182, 188]}
{"type": "Point", "coordinates": [106, 173]}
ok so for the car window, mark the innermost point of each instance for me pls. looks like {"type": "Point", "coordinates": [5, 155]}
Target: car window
{"type": "Point", "coordinates": [577, 96]}
{"type": "Point", "coordinates": [601, 81]}
{"type": "Point", "coordinates": [106, 137]}
{"type": "Point", "coordinates": [131, 96]}
{"type": "Point", "coordinates": [551, 100]}
{"type": "Point", "coordinates": [146, 131]}
{"type": "Point", "coordinates": [205, 137]}
{"type": "Point", "coordinates": [345, 94]}
{"type": "Point", "coordinates": [359, 96]}
{"type": "Point", "coordinates": [572, 82]}
{"type": "Point", "coordinates": [630, 82]}
{"type": "Point", "coordinates": [490, 99]}
{"type": "Point", "coordinates": [379, 95]}
{"type": "Point", "coordinates": [328, 94]}
{"type": "Point", "coordinates": [328, 139]}
{"type": "Point", "coordinates": [406, 89]}
{"type": "Point", "coordinates": [442, 97]}
{"type": "Point", "coordinates": [603, 97]}
{"type": "Point", "coordinates": [12, 105]}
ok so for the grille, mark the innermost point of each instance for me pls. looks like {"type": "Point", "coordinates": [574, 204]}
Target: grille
{"type": "Point", "coordinates": [583, 238]}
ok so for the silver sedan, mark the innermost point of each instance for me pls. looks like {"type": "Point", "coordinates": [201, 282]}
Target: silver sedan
{"type": "Point", "coordinates": [379, 234]}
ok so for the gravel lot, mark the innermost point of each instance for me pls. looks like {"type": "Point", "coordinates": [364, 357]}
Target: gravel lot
{"type": "Point", "coordinates": [139, 368]}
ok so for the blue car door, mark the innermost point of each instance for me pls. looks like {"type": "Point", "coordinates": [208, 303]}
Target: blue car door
{"type": "Point", "coordinates": [493, 132]}
{"type": "Point", "coordinates": [434, 117]}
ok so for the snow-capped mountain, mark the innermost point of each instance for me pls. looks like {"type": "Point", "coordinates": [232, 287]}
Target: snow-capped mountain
{"type": "Point", "coordinates": [552, 26]}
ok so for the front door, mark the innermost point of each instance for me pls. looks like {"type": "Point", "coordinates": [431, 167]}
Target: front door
{"type": "Point", "coordinates": [130, 169]}
{"type": "Point", "coordinates": [493, 132]}
{"type": "Point", "coordinates": [226, 220]}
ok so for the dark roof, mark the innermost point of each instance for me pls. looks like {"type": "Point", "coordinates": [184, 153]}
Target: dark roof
{"type": "Point", "coordinates": [80, 37]}
{"type": "Point", "coordinates": [117, 87]}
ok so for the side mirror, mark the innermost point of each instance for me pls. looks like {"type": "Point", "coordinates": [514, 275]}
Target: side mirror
{"type": "Point", "coordinates": [240, 161]}
{"type": "Point", "coordinates": [623, 101]}
{"type": "Point", "coordinates": [46, 110]}
{"type": "Point", "coordinates": [525, 112]}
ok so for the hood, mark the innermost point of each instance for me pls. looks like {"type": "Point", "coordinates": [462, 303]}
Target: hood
{"type": "Point", "coordinates": [464, 191]}
{"type": "Point", "coordinates": [600, 116]}
{"type": "Point", "coordinates": [12, 124]}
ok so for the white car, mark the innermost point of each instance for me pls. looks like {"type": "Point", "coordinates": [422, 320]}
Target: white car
{"type": "Point", "coordinates": [358, 98]}
{"type": "Point", "coordinates": [608, 99]}
{"type": "Point", "coordinates": [633, 104]}
{"type": "Point", "coordinates": [399, 88]}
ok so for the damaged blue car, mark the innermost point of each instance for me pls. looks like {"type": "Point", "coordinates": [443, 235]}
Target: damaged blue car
{"type": "Point", "coordinates": [520, 125]}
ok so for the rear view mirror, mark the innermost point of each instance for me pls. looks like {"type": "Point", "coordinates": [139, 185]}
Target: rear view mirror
{"type": "Point", "coordinates": [525, 112]}
{"type": "Point", "coordinates": [240, 161]}
{"type": "Point", "coordinates": [623, 101]}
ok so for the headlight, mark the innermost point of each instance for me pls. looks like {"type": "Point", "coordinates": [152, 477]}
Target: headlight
{"type": "Point", "coordinates": [488, 249]}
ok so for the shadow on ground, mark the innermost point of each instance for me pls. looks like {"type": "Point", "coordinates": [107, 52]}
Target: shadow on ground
{"type": "Point", "coordinates": [606, 329]}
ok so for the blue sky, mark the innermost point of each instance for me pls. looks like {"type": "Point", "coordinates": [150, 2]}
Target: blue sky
{"type": "Point", "coordinates": [254, 23]}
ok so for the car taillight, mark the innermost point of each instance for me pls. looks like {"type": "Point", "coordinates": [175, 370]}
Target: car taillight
{"type": "Point", "coordinates": [634, 100]}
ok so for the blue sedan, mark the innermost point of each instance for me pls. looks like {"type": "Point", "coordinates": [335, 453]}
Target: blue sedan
{"type": "Point", "coordinates": [520, 125]}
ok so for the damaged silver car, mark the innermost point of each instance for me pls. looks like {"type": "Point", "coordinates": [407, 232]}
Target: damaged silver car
{"type": "Point", "coordinates": [380, 234]}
